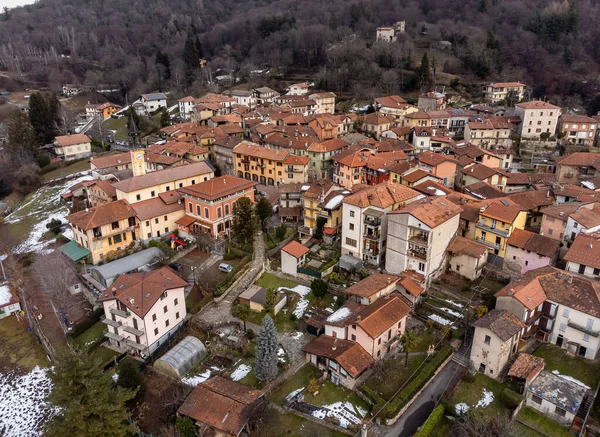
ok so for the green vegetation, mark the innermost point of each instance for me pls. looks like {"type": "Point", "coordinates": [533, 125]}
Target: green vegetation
{"type": "Point", "coordinates": [103, 354]}
{"type": "Point", "coordinates": [432, 422]}
{"type": "Point", "coordinates": [301, 379]}
{"type": "Point", "coordinates": [443, 428]}
{"type": "Point", "coordinates": [536, 420]}
{"type": "Point", "coordinates": [67, 170]}
{"type": "Point", "coordinates": [394, 375]}
{"type": "Point", "coordinates": [587, 371]}
{"type": "Point", "coordinates": [120, 126]}
{"type": "Point", "coordinates": [18, 346]}
{"type": "Point", "coordinates": [195, 300]}
{"type": "Point", "coordinates": [470, 391]}
{"type": "Point", "coordinates": [93, 334]}
{"type": "Point", "coordinates": [267, 280]}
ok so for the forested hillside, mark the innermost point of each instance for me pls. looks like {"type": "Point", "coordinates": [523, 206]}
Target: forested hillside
{"type": "Point", "coordinates": [139, 44]}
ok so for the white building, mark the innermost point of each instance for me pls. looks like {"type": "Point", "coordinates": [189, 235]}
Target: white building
{"type": "Point", "coordinates": [153, 101]}
{"type": "Point", "coordinates": [365, 221]}
{"type": "Point", "coordinates": [299, 89]}
{"type": "Point", "coordinates": [69, 147]}
{"type": "Point", "coordinates": [537, 117]}
{"type": "Point", "coordinates": [245, 98]}
{"type": "Point", "coordinates": [293, 255]}
{"type": "Point", "coordinates": [186, 104]}
{"type": "Point", "coordinates": [418, 236]}
{"type": "Point", "coordinates": [143, 310]}
{"type": "Point", "coordinates": [496, 92]}
{"type": "Point", "coordinates": [390, 34]}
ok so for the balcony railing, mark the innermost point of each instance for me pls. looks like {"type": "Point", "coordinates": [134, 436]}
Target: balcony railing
{"type": "Point", "coordinates": [112, 335]}
{"type": "Point", "coordinates": [492, 230]}
{"type": "Point", "coordinates": [583, 329]}
{"type": "Point", "coordinates": [372, 237]}
{"type": "Point", "coordinates": [488, 244]}
{"type": "Point", "coordinates": [110, 322]}
{"type": "Point", "coordinates": [120, 313]}
{"type": "Point", "coordinates": [417, 254]}
{"type": "Point", "coordinates": [372, 221]}
{"type": "Point", "coordinates": [132, 330]}
{"type": "Point", "coordinates": [134, 344]}
{"type": "Point", "coordinates": [419, 240]}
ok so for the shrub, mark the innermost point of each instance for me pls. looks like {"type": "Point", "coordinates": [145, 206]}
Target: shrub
{"type": "Point", "coordinates": [250, 334]}
{"type": "Point", "coordinates": [280, 231]}
{"type": "Point", "coordinates": [372, 394]}
{"type": "Point", "coordinates": [61, 239]}
{"type": "Point", "coordinates": [432, 421]}
{"type": "Point", "coordinates": [54, 226]}
{"type": "Point", "coordinates": [293, 317]}
{"type": "Point", "coordinates": [313, 386]}
{"type": "Point", "coordinates": [469, 378]}
{"type": "Point", "coordinates": [510, 398]}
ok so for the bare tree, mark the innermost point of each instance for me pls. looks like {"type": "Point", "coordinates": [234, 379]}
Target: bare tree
{"type": "Point", "coordinates": [65, 123]}
{"type": "Point", "coordinates": [477, 424]}
{"type": "Point", "coordinates": [56, 275]}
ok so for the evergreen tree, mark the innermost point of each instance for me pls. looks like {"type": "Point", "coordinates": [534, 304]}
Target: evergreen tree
{"type": "Point", "coordinates": [130, 376]}
{"type": "Point", "coordinates": [266, 351]}
{"type": "Point", "coordinates": [281, 231]}
{"type": "Point", "coordinates": [321, 221]}
{"type": "Point", "coordinates": [408, 342]}
{"type": "Point", "coordinates": [165, 120]}
{"type": "Point", "coordinates": [425, 70]}
{"type": "Point", "coordinates": [264, 210]}
{"type": "Point", "coordinates": [191, 59]}
{"type": "Point", "coordinates": [243, 312]}
{"type": "Point", "coordinates": [319, 288]}
{"type": "Point", "coordinates": [43, 116]}
{"type": "Point", "coordinates": [244, 225]}
{"type": "Point", "coordinates": [270, 301]}
{"type": "Point", "coordinates": [87, 400]}
{"type": "Point", "coordinates": [199, 48]}
{"type": "Point", "coordinates": [21, 136]}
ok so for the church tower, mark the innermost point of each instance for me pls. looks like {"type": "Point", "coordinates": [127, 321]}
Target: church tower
{"type": "Point", "coordinates": [138, 162]}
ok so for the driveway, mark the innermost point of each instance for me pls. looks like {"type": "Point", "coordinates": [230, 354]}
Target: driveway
{"type": "Point", "coordinates": [422, 407]}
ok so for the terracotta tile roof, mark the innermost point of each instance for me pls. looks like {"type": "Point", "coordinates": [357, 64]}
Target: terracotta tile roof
{"type": "Point", "coordinates": [227, 142]}
{"type": "Point", "coordinates": [351, 309]}
{"type": "Point", "coordinates": [483, 190]}
{"type": "Point", "coordinates": [579, 159]}
{"type": "Point", "coordinates": [481, 172]}
{"type": "Point", "coordinates": [252, 149]}
{"type": "Point", "coordinates": [140, 291]}
{"type": "Point", "coordinates": [163, 176]}
{"type": "Point", "coordinates": [535, 243]}
{"type": "Point", "coordinates": [471, 151]}
{"type": "Point", "coordinates": [382, 314]}
{"type": "Point", "coordinates": [588, 217]}
{"type": "Point", "coordinates": [290, 188]}
{"type": "Point", "coordinates": [432, 188]}
{"type": "Point", "coordinates": [537, 104]}
{"type": "Point", "coordinates": [102, 214]}
{"type": "Point", "coordinates": [385, 160]}
{"type": "Point", "coordinates": [530, 200]}
{"type": "Point", "coordinates": [433, 211]}
{"type": "Point", "coordinates": [215, 98]}
{"type": "Point", "coordinates": [348, 354]}
{"type": "Point", "coordinates": [417, 175]}
{"type": "Point", "coordinates": [376, 118]}
{"type": "Point", "coordinates": [72, 140]}
{"type": "Point", "coordinates": [508, 85]}
{"type": "Point", "coordinates": [585, 250]}
{"type": "Point", "coordinates": [433, 159]}
{"type": "Point", "coordinates": [529, 178]}
{"type": "Point", "coordinates": [155, 207]}
{"type": "Point", "coordinates": [186, 220]}
{"type": "Point", "coordinates": [562, 211]}
{"type": "Point", "coordinates": [502, 323]}
{"type": "Point", "coordinates": [372, 284]}
{"type": "Point", "coordinates": [222, 404]}
{"type": "Point", "coordinates": [328, 146]}
{"type": "Point", "coordinates": [318, 187]}
{"type": "Point", "coordinates": [296, 160]}
{"type": "Point", "coordinates": [392, 102]}
{"type": "Point", "coordinates": [218, 187]}
{"type": "Point", "coordinates": [500, 211]}
{"type": "Point", "coordinates": [463, 246]}
{"type": "Point", "coordinates": [105, 186]}
{"type": "Point", "coordinates": [576, 118]}
{"type": "Point", "coordinates": [295, 249]}
{"type": "Point", "coordinates": [418, 115]}
{"type": "Point", "coordinates": [382, 195]}
{"type": "Point", "coordinates": [526, 366]}
{"type": "Point", "coordinates": [410, 285]}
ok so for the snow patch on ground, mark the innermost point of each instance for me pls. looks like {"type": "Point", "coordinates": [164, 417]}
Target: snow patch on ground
{"type": "Point", "coordinates": [115, 376]}
{"type": "Point", "coordinates": [343, 411]}
{"type": "Point", "coordinates": [339, 315]}
{"type": "Point", "coordinates": [297, 335]}
{"type": "Point", "coordinates": [451, 312]}
{"type": "Point", "coordinates": [461, 408]}
{"type": "Point", "coordinates": [23, 406]}
{"type": "Point", "coordinates": [439, 319]}
{"type": "Point", "coordinates": [302, 304]}
{"type": "Point", "coordinates": [486, 398]}
{"type": "Point", "coordinates": [571, 379]}
{"type": "Point", "coordinates": [5, 294]}
{"type": "Point", "coordinates": [456, 304]}
{"type": "Point", "coordinates": [281, 355]}
{"type": "Point", "coordinates": [241, 372]}
{"type": "Point", "coordinates": [196, 379]}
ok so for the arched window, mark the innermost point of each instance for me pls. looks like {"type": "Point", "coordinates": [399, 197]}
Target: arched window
{"type": "Point", "coordinates": [219, 212]}
{"type": "Point", "coordinates": [198, 210]}
{"type": "Point", "coordinates": [206, 213]}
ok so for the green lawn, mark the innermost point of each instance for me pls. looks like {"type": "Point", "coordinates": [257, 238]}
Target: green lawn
{"type": "Point", "coordinates": [299, 380]}
{"type": "Point", "coordinates": [471, 392]}
{"type": "Point", "coordinates": [443, 429]}
{"type": "Point", "coordinates": [277, 424]}
{"type": "Point", "coordinates": [119, 125]}
{"type": "Point", "coordinates": [329, 393]}
{"type": "Point", "coordinates": [541, 423]}
{"type": "Point", "coordinates": [103, 354]}
{"type": "Point", "coordinates": [396, 375]}
{"type": "Point", "coordinates": [94, 333]}
{"type": "Point", "coordinates": [425, 338]}
{"type": "Point", "coordinates": [67, 170]}
{"type": "Point", "coordinates": [18, 346]}
{"type": "Point", "coordinates": [587, 371]}
{"type": "Point", "coordinates": [268, 280]}
{"type": "Point", "coordinates": [283, 323]}
{"type": "Point", "coordinates": [194, 301]}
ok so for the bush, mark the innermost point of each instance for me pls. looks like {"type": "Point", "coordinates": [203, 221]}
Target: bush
{"type": "Point", "coordinates": [250, 334]}
{"type": "Point", "coordinates": [372, 394]}
{"type": "Point", "coordinates": [417, 382]}
{"type": "Point", "coordinates": [510, 398]}
{"type": "Point", "coordinates": [280, 232]}
{"type": "Point", "coordinates": [432, 421]}
{"type": "Point", "coordinates": [293, 317]}
{"type": "Point", "coordinates": [43, 159]}
{"type": "Point", "coordinates": [54, 226]}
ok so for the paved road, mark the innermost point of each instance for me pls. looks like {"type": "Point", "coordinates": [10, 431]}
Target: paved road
{"type": "Point", "coordinates": [422, 407]}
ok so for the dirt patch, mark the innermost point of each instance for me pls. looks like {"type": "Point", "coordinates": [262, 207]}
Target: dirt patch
{"type": "Point", "coordinates": [19, 347]}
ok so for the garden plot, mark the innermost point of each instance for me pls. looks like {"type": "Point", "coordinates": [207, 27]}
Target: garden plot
{"type": "Point", "coordinates": [39, 209]}
{"type": "Point", "coordinates": [345, 412]}
{"type": "Point", "coordinates": [23, 406]}
{"type": "Point", "coordinates": [303, 303]}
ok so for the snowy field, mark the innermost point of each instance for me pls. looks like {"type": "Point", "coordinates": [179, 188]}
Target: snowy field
{"type": "Point", "coordinates": [346, 412]}
{"type": "Point", "coordinates": [40, 208]}
{"type": "Point", "coordinates": [302, 304]}
{"type": "Point", "coordinates": [23, 406]}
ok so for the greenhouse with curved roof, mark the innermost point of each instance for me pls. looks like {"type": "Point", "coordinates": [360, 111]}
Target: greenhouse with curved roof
{"type": "Point", "coordinates": [181, 358]}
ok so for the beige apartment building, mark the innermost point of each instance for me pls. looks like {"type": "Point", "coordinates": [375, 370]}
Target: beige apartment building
{"type": "Point", "coordinates": [496, 92]}
{"type": "Point", "coordinates": [578, 129]}
{"type": "Point", "coordinates": [491, 133]}
{"type": "Point", "coordinates": [537, 118]}
{"type": "Point", "coordinates": [325, 102]}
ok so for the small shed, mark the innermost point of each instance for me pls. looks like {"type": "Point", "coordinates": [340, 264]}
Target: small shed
{"type": "Point", "coordinates": [255, 297]}
{"type": "Point", "coordinates": [180, 360]}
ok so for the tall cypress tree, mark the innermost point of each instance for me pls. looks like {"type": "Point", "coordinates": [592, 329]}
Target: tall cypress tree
{"type": "Point", "coordinates": [88, 401]}
{"type": "Point", "coordinates": [191, 59]}
{"type": "Point", "coordinates": [266, 351]}
{"type": "Point", "coordinates": [43, 115]}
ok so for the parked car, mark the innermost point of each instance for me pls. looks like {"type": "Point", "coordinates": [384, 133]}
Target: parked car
{"type": "Point", "coordinates": [176, 266]}
{"type": "Point", "coordinates": [225, 268]}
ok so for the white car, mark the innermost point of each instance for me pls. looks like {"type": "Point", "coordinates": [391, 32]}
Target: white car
{"type": "Point", "coordinates": [225, 268]}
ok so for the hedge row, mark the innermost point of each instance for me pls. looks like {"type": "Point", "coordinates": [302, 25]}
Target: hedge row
{"type": "Point", "coordinates": [417, 382]}
{"type": "Point", "coordinates": [432, 421]}
{"type": "Point", "coordinates": [372, 394]}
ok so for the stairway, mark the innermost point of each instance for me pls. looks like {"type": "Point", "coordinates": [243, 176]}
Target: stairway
{"type": "Point", "coordinates": [504, 372]}
{"type": "Point", "coordinates": [463, 355]}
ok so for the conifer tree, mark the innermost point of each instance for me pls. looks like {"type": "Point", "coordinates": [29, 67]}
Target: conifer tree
{"type": "Point", "coordinates": [88, 402]}
{"type": "Point", "coordinates": [266, 351]}
{"type": "Point", "coordinates": [191, 59]}
{"type": "Point", "coordinates": [244, 224]}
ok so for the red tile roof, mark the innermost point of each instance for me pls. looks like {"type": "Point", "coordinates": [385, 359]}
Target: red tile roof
{"type": "Point", "coordinates": [382, 314]}
{"type": "Point", "coordinates": [348, 354]}
{"type": "Point", "coordinates": [295, 249]}
{"type": "Point", "coordinates": [72, 140]}
{"type": "Point", "coordinates": [535, 243]}
{"type": "Point", "coordinates": [372, 284]}
{"type": "Point", "coordinates": [537, 104]}
{"type": "Point", "coordinates": [102, 214]}
{"type": "Point", "coordinates": [382, 195]}
{"type": "Point", "coordinates": [463, 246]}
{"type": "Point", "coordinates": [218, 187]}
{"type": "Point", "coordinates": [111, 160]}
{"type": "Point", "coordinates": [585, 250]}
{"type": "Point", "coordinates": [433, 211]}
{"type": "Point", "coordinates": [502, 323]}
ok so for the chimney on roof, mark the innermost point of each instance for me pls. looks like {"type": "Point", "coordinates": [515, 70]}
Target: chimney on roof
{"type": "Point", "coordinates": [510, 292]}
{"type": "Point", "coordinates": [114, 291]}
{"type": "Point", "coordinates": [561, 213]}
{"type": "Point", "coordinates": [569, 279]}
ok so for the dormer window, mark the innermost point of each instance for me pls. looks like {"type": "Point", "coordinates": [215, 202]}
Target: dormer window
{"type": "Point", "coordinates": [115, 225]}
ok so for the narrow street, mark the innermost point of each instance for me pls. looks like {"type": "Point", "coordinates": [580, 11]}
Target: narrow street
{"type": "Point", "coordinates": [422, 407]}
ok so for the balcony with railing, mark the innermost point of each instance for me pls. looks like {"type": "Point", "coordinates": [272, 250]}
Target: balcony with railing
{"type": "Point", "coordinates": [134, 344]}
{"type": "Point", "coordinates": [111, 322]}
{"type": "Point", "coordinates": [487, 243]}
{"type": "Point", "coordinates": [494, 230]}
{"type": "Point", "coordinates": [584, 329]}
{"type": "Point", "coordinates": [372, 217]}
{"type": "Point", "coordinates": [112, 335]}
{"type": "Point", "coordinates": [419, 240]}
{"type": "Point", "coordinates": [417, 251]}
{"type": "Point", "coordinates": [132, 330]}
{"type": "Point", "coordinates": [121, 313]}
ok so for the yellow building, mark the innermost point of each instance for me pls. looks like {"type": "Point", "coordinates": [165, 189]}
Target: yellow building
{"type": "Point", "coordinates": [496, 223]}
{"type": "Point", "coordinates": [269, 166]}
{"type": "Point", "coordinates": [144, 186]}
{"type": "Point", "coordinates": [323, 199]}
{"type": "Point", "coordinates": [105, 230]}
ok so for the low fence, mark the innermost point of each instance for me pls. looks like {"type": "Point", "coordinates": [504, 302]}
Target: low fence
{"type": "Point", "coordinates": [319, 421]}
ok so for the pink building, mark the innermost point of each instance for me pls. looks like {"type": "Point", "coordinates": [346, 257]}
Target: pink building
{"type": "Point", "coordinates": [526, 251]}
